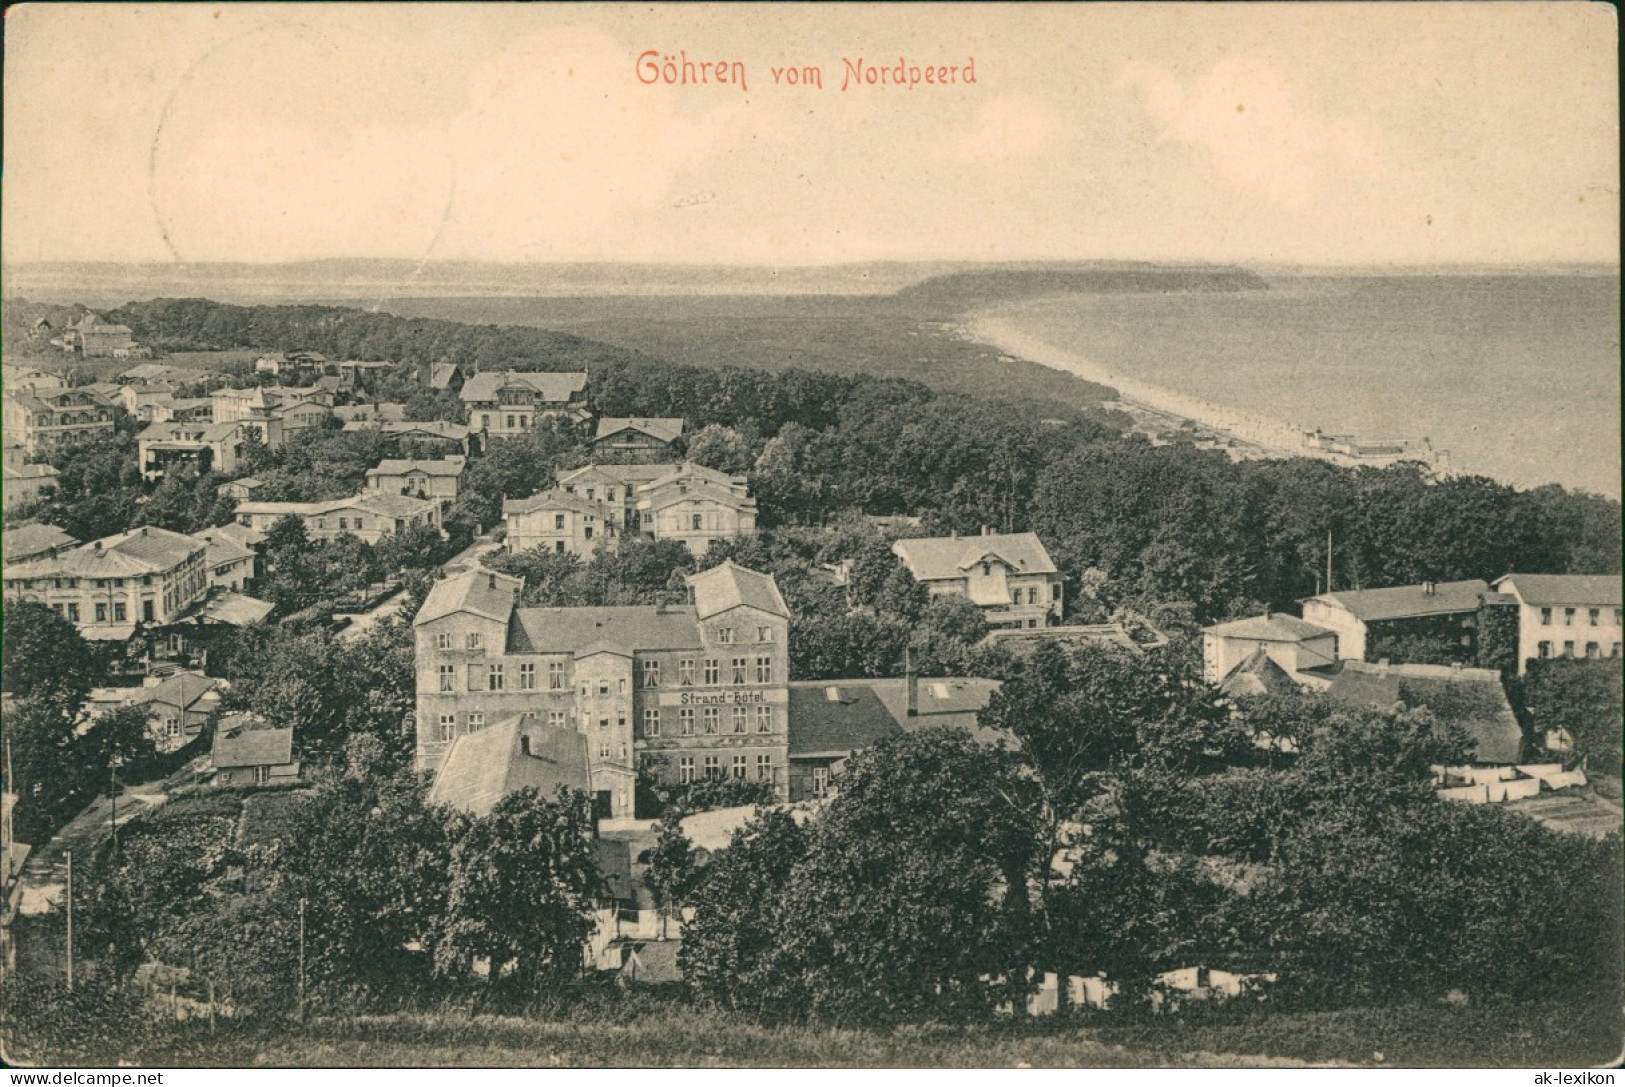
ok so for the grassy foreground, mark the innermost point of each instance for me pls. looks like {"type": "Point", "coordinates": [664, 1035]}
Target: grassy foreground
{"type": "Point", "coordinates": [675, 1035]}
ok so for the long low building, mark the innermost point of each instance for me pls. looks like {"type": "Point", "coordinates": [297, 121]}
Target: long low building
{"type": "Point", "coordinates": [830, 720]}
{"type": "Point", "coordinates": [368, 516]}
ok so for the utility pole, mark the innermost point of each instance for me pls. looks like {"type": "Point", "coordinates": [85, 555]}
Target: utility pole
{"type": "Point", "coordinates": [301, 960]}
{"type": "Point", "coordinates": [112, 795]}
{"type": "Point", "coordinates": [1328, 559]}
{"type": "Point", "coordinates": [70, 920]}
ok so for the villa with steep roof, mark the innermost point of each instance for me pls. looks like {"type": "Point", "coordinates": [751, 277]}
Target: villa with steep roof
{"type": "Point", "coordinates": [637, 440]}
{"type": "Point", "coordinates": [435, 479]}
{"type": "Point", "coordinates": [686, 502]}
{"type": "Point", "coordinates": [684, 692]}
{"type": "Point", "coordinates": [503, 404]}
{"type": "Point", "coordinates": [1011, 577]}
{"type": "Point", "coordinates": [557, 520]}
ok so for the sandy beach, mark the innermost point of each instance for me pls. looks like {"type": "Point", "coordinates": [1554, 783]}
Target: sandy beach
{"type": "Point", "coordinates": [1254, 435]}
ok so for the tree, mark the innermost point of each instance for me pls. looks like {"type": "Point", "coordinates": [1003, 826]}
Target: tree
{"type": "Point", "coordinates": [523, 889]}
{"type": "Point", "coordinates": [722, 448]}
{"type": "Point", "coordinates": [52, 772]}
{"type": "Point", "coordinates": [1583, 697]}
{"type": "Point", "coordinates": [123, 737]}
{"type": "Point", "coordinates": [671, 866]}
{"type": "Point", "coordinates": [912, 899]}
{"type": "Point", "coordinates": [45, 657]}
{"type": "Point", "coordinates": [729, 950]}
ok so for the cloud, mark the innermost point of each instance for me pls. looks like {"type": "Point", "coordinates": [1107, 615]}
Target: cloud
{"type": "Point", "coordinates": [1254, 132]}
{"type": "Point", "coordinates": [1006, 131]}
{"type": "Point", "coordinates": [561, 148]}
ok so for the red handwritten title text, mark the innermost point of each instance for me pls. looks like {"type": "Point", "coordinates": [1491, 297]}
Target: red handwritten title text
{"type": "Point", "coordinates": [677, 70]}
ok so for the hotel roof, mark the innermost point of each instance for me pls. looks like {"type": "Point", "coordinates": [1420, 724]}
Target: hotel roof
{"type": "Point", "coordinates": [622, 629]}
{"type": "Point", "coordinates": [730, 586]}
{"type": "Point", "coordinates": [481, 768]}
{"type": "Point", "coordinates": [482, 592]}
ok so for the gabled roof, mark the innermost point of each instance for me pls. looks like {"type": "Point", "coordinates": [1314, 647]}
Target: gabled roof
{"type": "Point", "coordinates": [183, 689]}
{"type": "Point", "coordinates": [149, 371]}
{"type": "Point", "coordinates": [1257, 674]}
{"type": "Point", "coordinates": [175, 431]}
{"type": "Point", "coordinates": [446, 467]}
{"type": "Point", "coordinates": [558, 500]}
{"type": "Point", "coordinates": [1575, 590]}
{"type": "Point", "coordinates": [617, 475]}
{"type": "Point", "coordinates": [690, 472]}
{"type": "Point", "coordinates": [237, 745]}
{"type": "Point", "coordinates": [664, 494]}
{"type": "Point", "coordinates": [653, 962]}
{"type": "Point", "coordinates": [553, 388]}
{"type": "Point", "coordinates": [223, 548]}
{"type": "Point", "coordinates": [441, 375]}
{"type": "Point", "coordinates": [481, 768]}
{"type": "Point", "coordinates": [480, 592]}
{"type": "Point", "coordinates": [26, 540]}
{"type": "Point", "coordinates": [665, 430]}
{"type": "Point", "coordinates": [730, 586]}
{"type": "Point", "coordinates": [238, 534]}
{"type": "Point", "coordinates": [1408, 601]}
{"type": "Point", "coordinates": [235, 609]}
{"type": "Point", "coordinates": [140, 551]}
{"type": "Point", "coordinates": [385, 504]}
{"type": "Point", "coordinates": [1487, 716]}
{"type": "Point", "coordinates": [621, 629]}
{"type": "Point", "coordinates": [948, 558]}
{"type": "Point", "coordinates": [452, 432]}
{"type": "Point", "coordinates": [835, 719]}
{"type": "Point", "coordinates": [1273, 627]}
{"type": "Point", "coordinates": [31, 471]}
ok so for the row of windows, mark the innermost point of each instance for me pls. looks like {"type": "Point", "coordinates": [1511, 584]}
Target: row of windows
{"type": "Point", "coordinates": [1032, 594]}
{"type": "Point", "coordinates": [1594, 615]}
{"type": "Point", "coordinates": [70, 612]}
{"type": "Point", "coordinates": [710, 721]}
{"type": "Point", "coordinates": [713, 768]}
{"type": "Point", "coordinates": [1593, 650]}
{"type": "Point", "coordinates": [73, 582]}
{"type": "Point", "coordinates": [494, 675]}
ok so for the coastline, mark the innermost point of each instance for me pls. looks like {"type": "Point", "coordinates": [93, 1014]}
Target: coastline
{"type": "Point", "coordinates": [1155, 408]}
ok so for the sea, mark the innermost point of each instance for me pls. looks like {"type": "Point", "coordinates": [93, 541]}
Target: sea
{"type": "Point", "coordinates": [1516, 377]}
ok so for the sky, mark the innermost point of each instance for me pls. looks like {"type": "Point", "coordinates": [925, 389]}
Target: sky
{"type": "Point", "coordinates": [1319, 134]}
